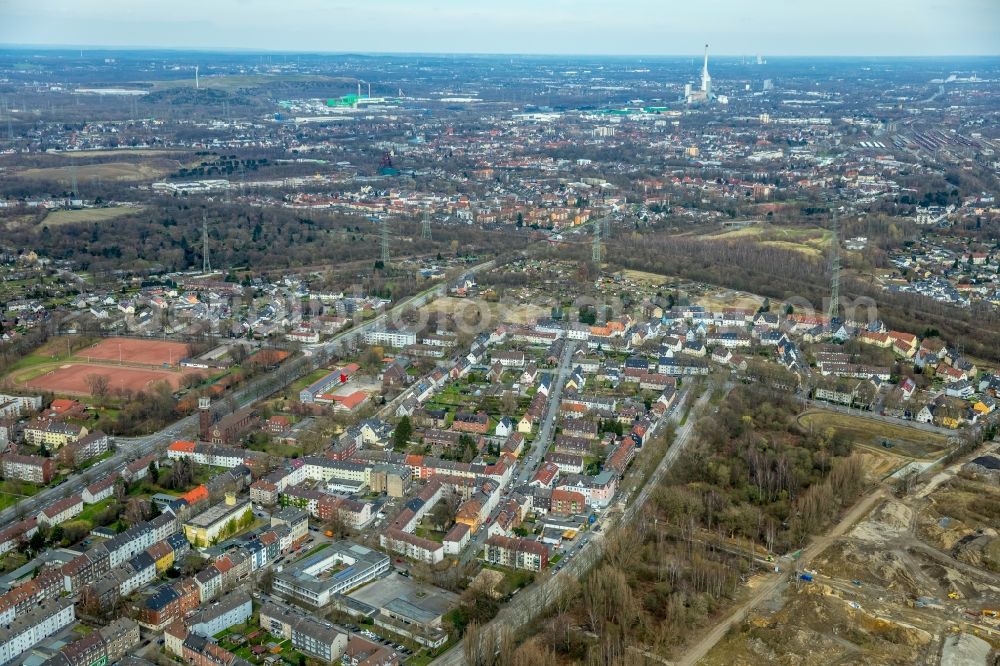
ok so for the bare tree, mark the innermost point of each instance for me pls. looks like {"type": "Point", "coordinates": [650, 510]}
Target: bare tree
{"type": "Point", "coordinates": [99, 385]}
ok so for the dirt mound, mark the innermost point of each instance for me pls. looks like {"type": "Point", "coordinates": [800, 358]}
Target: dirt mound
{"type": "Point", "coordinates": [890, 520]}
{"type": "Point", "coordinates": [884, 568]}
{"type": "Point", "coordinates": [817, 629]}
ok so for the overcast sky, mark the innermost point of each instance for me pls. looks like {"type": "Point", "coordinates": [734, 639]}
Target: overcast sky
{"type": "Point", "coordinates": [628, 27]}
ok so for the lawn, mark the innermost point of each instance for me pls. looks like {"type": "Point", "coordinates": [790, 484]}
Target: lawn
{"type": "Point", "coordinates": [90, 511]}
{"type": "Point", "coordinates": [312, 551]}
{"type": "Point", "coordinates": [279, 450]}
{"type": "Point", "coordinates": [18, 488]}
{"type": "Point", "coordinates": [292, 392]}
{"type": "Point", "coordinates": [61, 217]}
{"type": "Point", "coordinates": [863, 431]}
{"type": "Point", "coordinates": [7, 500]}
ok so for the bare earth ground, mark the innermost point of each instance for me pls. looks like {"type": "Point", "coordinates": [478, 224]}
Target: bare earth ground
{"type": "Point", "coordinates": [505, 312]}
{"type": "Point", "coordinates": [888, 590]}
{"type": "Point", "coordinates": [71, 378]}
{"type": "Point", "coordinates": [131, 350]}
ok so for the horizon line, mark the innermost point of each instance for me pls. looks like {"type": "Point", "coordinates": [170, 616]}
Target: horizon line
{"type": "Point", "coordinates": [245, 50]}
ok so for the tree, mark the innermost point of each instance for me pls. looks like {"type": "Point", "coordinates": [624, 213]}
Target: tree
{"type": "Point", "coordinates": [402, 433]}
{"type": "Point", "coordinates": [153, 471]}
{"type": "Point", "coordinates": [37, 540]}
{"type": "Point", "coordinates": [442, 513]}
{"type": "Point", "coordinates": [99, 385]}
{"type": "Point", "coordinates": [181, 475]}
{"type": "Point", "coordinates": [136, 511]}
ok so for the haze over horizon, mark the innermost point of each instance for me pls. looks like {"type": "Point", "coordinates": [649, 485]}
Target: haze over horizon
{"type": "Point", "coordinates": [558, 27]}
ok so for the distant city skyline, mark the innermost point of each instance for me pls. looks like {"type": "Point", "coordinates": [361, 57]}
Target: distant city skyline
{"type": "Point", "coordinates": [557, 27]}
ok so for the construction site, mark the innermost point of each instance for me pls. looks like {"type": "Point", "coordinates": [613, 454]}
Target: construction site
{"type": "Point", "coordinates": [914, 580]}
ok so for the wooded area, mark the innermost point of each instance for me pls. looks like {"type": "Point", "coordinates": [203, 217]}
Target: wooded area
{"type": "Point", "coordinates": [782, 273]}
{"type": "Point", "coordinates": [752, 482]}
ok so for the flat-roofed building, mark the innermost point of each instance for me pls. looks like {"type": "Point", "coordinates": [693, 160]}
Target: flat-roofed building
{"type": "Point", "coordinates": [308, 634]}
{"type": "Point", "coordinates": [220, 521]}
{"type": "Point", "coordinates": [335, 570]}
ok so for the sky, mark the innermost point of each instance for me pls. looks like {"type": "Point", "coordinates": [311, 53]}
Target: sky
{"type": "Point", "coordinates": [612, 27]}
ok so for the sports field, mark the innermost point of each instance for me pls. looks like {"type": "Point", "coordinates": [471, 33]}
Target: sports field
{"type": "Point", "coordinates": [131, 350]}
{"type": "Point", "coordinates": [71, 378]}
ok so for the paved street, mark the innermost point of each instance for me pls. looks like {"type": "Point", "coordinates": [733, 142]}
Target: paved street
{"type": "Point", "coordinates": [531, 462]}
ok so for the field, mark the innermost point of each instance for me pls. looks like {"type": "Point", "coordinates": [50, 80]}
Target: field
{"type": "Point", "coordinates": [654, 279]}
{"type": "Point", "coordinates": [729, 299]}
{"type": "Point", "coordinates": [236, 82]}
{"type": "Point", "coordinates": [905, 440]}
{"type": "Point", "coordinates": [71, 378]}
{"type": "Point", "coordinates": [130, 350]}
{"type": "Point", "coordinates": [61, 217]}
{"type": "Point", "coordinates": [149, 169]}
{"type": "Point", "coordinates": [463, 309]}
{"type": "Point", "coordinates": [122, 152]}
{"type": "Point", "coordinates": [810, 241]}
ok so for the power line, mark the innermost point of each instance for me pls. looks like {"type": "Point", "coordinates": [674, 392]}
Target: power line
{"type": "Point", "coordinates": [596, 247]}
{"type": "Point", "coordinates": [385, 242]}
{"type": "Point", "coordinates": [206, 263]}
{"type": "Point", "coordinates": [835, 270]}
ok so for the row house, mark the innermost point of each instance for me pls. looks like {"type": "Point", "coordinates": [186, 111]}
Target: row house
{"type": "Point", "coordinates": [166, 604]}
{"type": "Point", "coordinates": [516, 553]}
{"type": "Point", "coordinates": [568, 463]}
{"type": "Point", "coordinates": [34, 469]}
{"type": "Point", "coordinates": [510, 359]}
{"type": "Point", "coordinates": [12, 535]}
{"type": "Point", "coordinates": [578, 446]}
{"type": "Point", "coordinates": [105, 645]}
{"type": "Point", "coordinates": [52, 434]}
{"type": "Point", "coordinates": [90, 446]}
{"type": "Point", "coordinates": [598, 490]}
{"type": "Point", "coordinates": [412, 546]}
{"type": "Point", "coordinates": [61, 511]}
{"type": "Point", "coordinates": [620, 457]}
{"type": "Point", "coordinates": [138, 469]}
{"type": "Point", "coordinates": [352, 513]}
{"type": "Point", "coordinates": [456, 539]}
{"type": "Point", "coordinates": [478, 423]}
{"type": "Point", "coordinates": [567, 502]}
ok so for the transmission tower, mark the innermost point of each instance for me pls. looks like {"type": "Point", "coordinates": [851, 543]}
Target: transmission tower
{"type": "Point", "coordinates": [72, 179]}
{"type": "Point", "coordinates": [835, 270]}
{"type": "Point", "coordinates": [385, 243]}
{"type": "Point", "coordinates": [607, 227]}
{"type": "Point", "coordinates": [206, 263]}
{"type": "Point", "coordinates": [425, 227]}
{"type": "Point", "coordinates": [596, 249]}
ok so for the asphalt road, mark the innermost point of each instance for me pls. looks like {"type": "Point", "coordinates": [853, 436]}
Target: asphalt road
{"type": "Point", "coordinates": [533, 459]}
{"type": "Point", "coordinates": [541, 444]}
